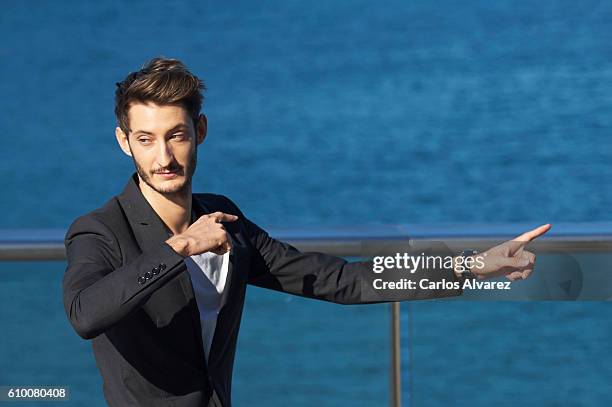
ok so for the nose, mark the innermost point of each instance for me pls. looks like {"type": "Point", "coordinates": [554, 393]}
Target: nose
{"type": "Point", "coordinates": [166, 155]}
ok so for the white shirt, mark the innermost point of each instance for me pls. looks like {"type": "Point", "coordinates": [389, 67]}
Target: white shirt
{"type": "Point", "coordinates": [208, 272]}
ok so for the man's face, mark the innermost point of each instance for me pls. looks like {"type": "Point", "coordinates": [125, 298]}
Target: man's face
{"type": "Point", "coordinates": [162, 143]}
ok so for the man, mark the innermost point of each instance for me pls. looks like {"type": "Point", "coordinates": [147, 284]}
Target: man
{"type": "Point", "coordinates": [156, 277]}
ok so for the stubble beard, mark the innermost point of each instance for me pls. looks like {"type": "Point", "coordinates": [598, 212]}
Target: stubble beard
{"type": "Point", "coordinates": [175, 189]}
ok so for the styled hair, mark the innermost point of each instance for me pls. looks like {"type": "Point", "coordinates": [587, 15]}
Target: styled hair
{"type": "Point", "coordinates": [162, 81]}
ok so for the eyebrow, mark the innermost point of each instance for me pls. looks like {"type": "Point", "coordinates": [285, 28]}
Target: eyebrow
{"type": "Point", "coordinates": [177, 127]}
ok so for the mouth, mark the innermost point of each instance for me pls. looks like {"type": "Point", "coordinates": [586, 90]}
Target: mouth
{"type": "Point", "coordinates": [167, 174]}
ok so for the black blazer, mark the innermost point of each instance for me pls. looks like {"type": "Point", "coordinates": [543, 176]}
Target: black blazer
{"type": "Point", "coordinates": [127, 290]}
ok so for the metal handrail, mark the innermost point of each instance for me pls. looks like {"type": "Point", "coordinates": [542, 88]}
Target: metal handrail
{"type": "Point", "coordinates": [48, 244]}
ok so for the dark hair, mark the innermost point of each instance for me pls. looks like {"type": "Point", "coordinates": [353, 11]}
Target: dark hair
{"type": "Point", "coordinates": [162, 81]}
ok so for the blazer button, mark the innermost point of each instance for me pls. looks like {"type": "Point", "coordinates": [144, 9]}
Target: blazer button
{"type": "Point", "coordinates": [141, 280]}
{"type": "Point", "coordinates": [148, 275]}
{"type": "Point", "coordinates": [162, 266]}
{"type": "Point", "coordinates": [155, 271]}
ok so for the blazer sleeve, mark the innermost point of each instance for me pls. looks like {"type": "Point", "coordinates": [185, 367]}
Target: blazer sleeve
{"type": "Point", "coordinates": [279, 266]}
{"type": "Point", "coordinates": [98, 291]}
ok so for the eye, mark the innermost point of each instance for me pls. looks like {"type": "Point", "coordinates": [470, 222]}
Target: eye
{"type": "Point", "coordinates": [178, 136]}
{"type": "Point", "coordinates": [144, 141]}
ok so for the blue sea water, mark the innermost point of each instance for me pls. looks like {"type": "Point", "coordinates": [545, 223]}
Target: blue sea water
{"type": "Point", "coordinates": [328, 113]}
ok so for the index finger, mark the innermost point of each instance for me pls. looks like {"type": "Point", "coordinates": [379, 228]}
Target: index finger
{"type": "Point", "coordinates": [532, 234]}
{"type": "Point", "coordinates": [223, 217]}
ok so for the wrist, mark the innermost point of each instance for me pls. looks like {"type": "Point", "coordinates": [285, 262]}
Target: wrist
{"type": "Point", "coordinates": [457, 269]}
{"type": "Point", "coordinates": [179, 244]}
{"type": "Point", "coordinates": [463, 264]}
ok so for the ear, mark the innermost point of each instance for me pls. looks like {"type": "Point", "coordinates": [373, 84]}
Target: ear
{"type": "Point", "coordinates": [122, 139]}
{"type": "Point", "coordinates": [202, 129]}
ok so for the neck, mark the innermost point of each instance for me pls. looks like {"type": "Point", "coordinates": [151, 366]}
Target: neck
{"type": "Point", "coordinates": [173, 209]}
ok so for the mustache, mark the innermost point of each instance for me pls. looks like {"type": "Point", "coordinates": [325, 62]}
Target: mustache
{"type": "Point", "coordinates": [174, 168]}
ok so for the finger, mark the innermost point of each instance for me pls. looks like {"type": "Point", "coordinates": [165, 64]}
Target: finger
{"type": "Point", "coordinates": [216, 216]}
{"type": "Point", "coordinates": [222, 248]}
{"type": "Point", "coordinates": [526, 273]}
{"type": "Point", "coordinates": [532, 259]}
{"type": "Point", "coordinates": [219, 251]}
{"type": "Point", "coordinates": [223, 217]}
{"type": "Point", "coordinates": [532, 234]}
{"type": "Point", "coordinates": [516, 275]}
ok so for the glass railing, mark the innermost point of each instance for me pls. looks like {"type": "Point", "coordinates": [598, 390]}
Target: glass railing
{"type": "Point", "coordinates": [416, 354]}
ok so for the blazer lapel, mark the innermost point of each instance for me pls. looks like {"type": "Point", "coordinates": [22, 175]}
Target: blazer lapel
{"type": "Point", "coordinates": [147, 226]}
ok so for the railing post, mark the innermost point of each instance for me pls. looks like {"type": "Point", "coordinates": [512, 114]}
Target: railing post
{"type": "Point", "coordinates": [396, 386]}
